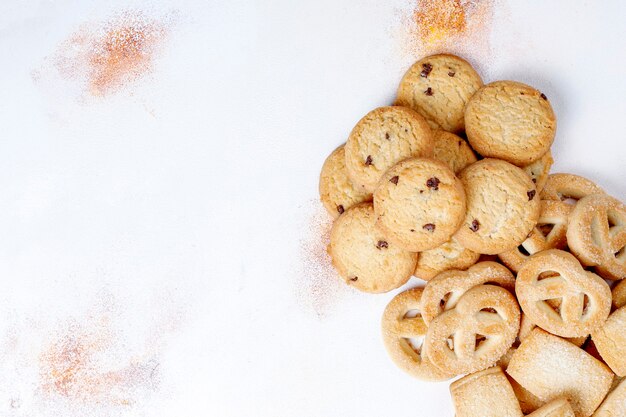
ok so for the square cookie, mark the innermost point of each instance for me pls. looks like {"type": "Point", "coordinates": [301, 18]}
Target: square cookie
{"type": "Point", "coordinates": [615, 403]}
{"type": "Point", "coordinates": [610, 341]}
{"type": "Point", "coordinates": [550, 367]}
{"type": "Point", "coordinates": [556, 408]}
{"type": "Point", "coordinates": [486, 393]}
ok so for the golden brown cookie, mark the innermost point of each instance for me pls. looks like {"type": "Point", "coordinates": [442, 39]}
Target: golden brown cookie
{"type": "Point", "coordinates": [550, 367]}
{"type": "Point", "coordinates": [549, 233]}
{"type": "Point", "coordinates": [502, 207]}
{"type": "Point", "coordinates": [362, 255]}
{"type": "Point", "coordinates": [527, 326]}
{"type": "Point", "coordinates": [619, 294]}
{"type": "Point", "coordinates": [614, 404]}
{"type": "Point", "coordinates": [511, 121]}
{"type": "Point", "coordinates": [450, 255]}
{"type": "Point", "coordinates": [484, 394]}
{"type": "Point", "coordinates": [404, 331]}
{"type": "Point", "coordinates": [444, 291]}
{"type": "Point", "coordinates": [610, 340]}
{"type": "Point", "coordinates": [568, 187]}
{"type": "Point", "coordinates": [597, 234]}
{"type": "Point", "coordinates": [558, 295]}
{"type": "Point", "coordinates": [539, 170]}
{"type": "Point", "coordinates": [556, 408]}
{"type": "Point", "coordinates": [419, 204]}
{"type": "Point", "coordinates": [438, 87]}
{"type": "Point", "coordinates": [453, 150]}
{"type": "Point", "coordinates": [475, 333]}
{"type": "Point", "coordinates": [382, 138]}
{"type": "Point", "coordinates": [337, 192]}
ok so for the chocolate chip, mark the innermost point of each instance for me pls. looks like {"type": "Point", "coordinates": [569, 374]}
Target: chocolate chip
{"type": "Point", "coordinates": [429, 226]}
{"type": "Point", "coordinates": [340, 209]}
{"type": "Point", "coordinates": [433, 183]}
{"type": "Point", "coordinates": [382, 244]}
{"type": "Point", "coordinates": [412, 230]}
{"type": "Point", "coordinates": [428, 91]}
{"type": "Point", "coordinates": [543, 96]}
{"type": "Point", "coordinates": [387, 136]}
{"type": "Point", "coordinates": [354, 278]}
{"type": "Point", "coordinates": [421, 191]}
{"type": "Point", "coordinates": [535, 180]}
{"type": "Point", "coordinates": [531, 194]}
{"type": "Point", "coordinates": [426, 69]}
{"type": "Point", "coordinates": [368, 160]}
{"type": "Point", "coordinates": [475, 225]}
{"type": "Point", "coordinates": [394, 180]}
{"type": "Point", "coordinates": [451, 74]}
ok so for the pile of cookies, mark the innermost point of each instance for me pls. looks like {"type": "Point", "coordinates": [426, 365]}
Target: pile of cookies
{"type": "Point", "coordinates": [452, 185]}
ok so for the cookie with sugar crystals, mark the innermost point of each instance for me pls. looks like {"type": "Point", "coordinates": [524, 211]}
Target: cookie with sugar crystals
{"type": "Point", "coordinates": [438, 87]}
{"type": "Point", "coordinates": [502, 206]}
{"type": "Point", "coordinates": [615, 403]}
{"type": "Point", "coordinates": [419, 204]}
{"type": "Point", "coordinates": [382, 138]}
{"type": "Point", "coordinates": [449, 255]}
{"type": "Point", "coordinates": [337, 192]}
{"type": "Point", "coordinates": [363, 256]}
{"type": "Point", "coordinates": [610, 340]}
{"type": "Point", "coordinates": [511, 121]}
{"type": "Point", "coordinates": [556, 408]}
{"type": "Point", "coordinates": [453, 150]}
{"type": "Point", "coordinates": [568, 188]}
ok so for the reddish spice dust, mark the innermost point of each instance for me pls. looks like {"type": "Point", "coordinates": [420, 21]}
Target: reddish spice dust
{"type": "Point", "coordinates": [109, 56]}
{"type": "Point", "coordinates": [74, 366]}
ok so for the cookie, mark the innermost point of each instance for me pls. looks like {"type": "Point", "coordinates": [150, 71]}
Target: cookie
{"type": "Point", "coordinates": [615, 403]}
{"type": "Point", "coordinates": [453, 150]}
{"type": "Point", "coordinates": [337, 192]}
{"type": "Point", "coordinates": [475, 333]}
{"type": "Point", "coordinates": [450, 255]}
{"type": "Point", "coordinates": [362, 255]}
{"type": "Point", "coordinates": [511, 121]}
{"type": "Point", "coordinates": [419, 204]}
{"type": "Point", "coordinates": [597, 234]}
{"type": "Point", "coordinates": [558, 295]}
{"type": "Point", "coordinates": [619, 294]}
{"type": "Point", "coordinates": [404, 331]}
{"type": "Point", "coordinates": [444, 291]}
{"type": "Point", "coordinates": [384, 137]}
{"type": "Point", "coordinates": [550, 367]}
{"type": "Point", "coordinates": [549, 233]}
{"type": "Point", "coordinates": [610, 341]}
{"type": "Point", "coordinates": [568, 188]}
{"type": "Point", "coordinates": [486, 394]}
{"type": "Point", "coordinates": [438, 87]}
{"type": "Point", "coordinates": [527, 326]}
{"type": "Point", "coordinates": [502, 207]}
{"type": "Point", "coordinates": [540, 170]}
{"type": "Point", "coordinates": [556, 408]}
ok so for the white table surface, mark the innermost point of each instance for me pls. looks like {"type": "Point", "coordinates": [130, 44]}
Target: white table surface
{"type": "Point", "coordinates": [179, 208]}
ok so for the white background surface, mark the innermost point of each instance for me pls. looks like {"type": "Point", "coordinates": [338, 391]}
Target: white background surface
{"type": "Point", "coordinates": [197, 189]}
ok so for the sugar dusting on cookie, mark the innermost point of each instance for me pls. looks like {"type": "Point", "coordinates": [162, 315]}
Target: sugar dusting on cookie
{"type": "Point", "coordinates": [319, 287]}
{"type": "Point", "coordinates": [106, 57]}
{"type": "Point", "coordinates": [460, 27]}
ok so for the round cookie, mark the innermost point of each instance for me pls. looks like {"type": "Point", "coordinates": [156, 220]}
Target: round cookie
{"type": "Point", "coordinates": [384, 137]}
{"type": "Point", "coordinates": [502, 207]}
{"type": "Point", "coordinates": [362, 255]}
{"type": "Point", "coordinates": [450, 255]}
{"type": "Point", "coordinates": [511, 121]}
{"type": "Point", "coordinates": [539, 170]}
{"type": "Point", "coordinates": [419, 204]}
{"type": "Point", "coordinates": [337, 192]}
{"type": "Point", "coordinates": [453, 150]}
{"type": "Point", "coordinates": [568, 187]}
{"type": "Point", "coordinates": [438, 87]}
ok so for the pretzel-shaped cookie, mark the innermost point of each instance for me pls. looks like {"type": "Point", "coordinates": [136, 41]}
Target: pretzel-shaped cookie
{"type": "Point", "coordinates": [444, 291]}
{"type": "Point", "coordinates": [597, 234]}
{"type": "Point", "coordinates": [563, 187]}
{"type": "Point", "coordinates": [549, 233]}
{"type": "Point", "coordinates": [482, 327]}
{"type": "Point", "coordinates": [554, 279]}
{"type": "Point", "coordinates": [403, 331]}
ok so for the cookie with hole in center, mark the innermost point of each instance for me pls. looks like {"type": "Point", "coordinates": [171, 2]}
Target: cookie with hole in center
{"type": "Point", "coordinates": [453, 150]}
{"type": "Point", "coordinates": [363, 256]}
{"type": "Point", "coordinates": [438, 87]}
{"type": "Point", "coordinates": [337, 192]}
{"type": "Point", "coordinates": [382, 138]}
{"type": "Point", "coordinates": [502, 206]}
{"type": "Point", "coordinates": [419, 204]}
{"type": "Point", "coordinates": [511, 121]}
